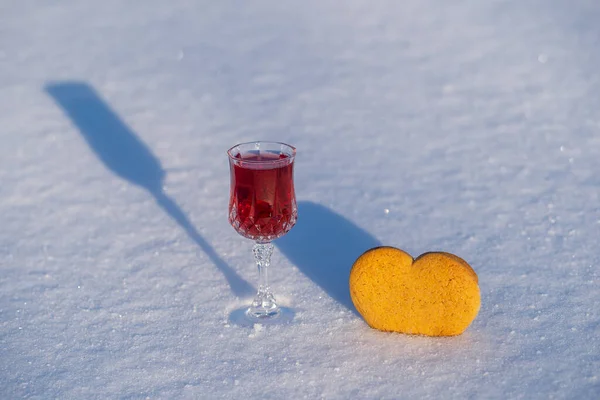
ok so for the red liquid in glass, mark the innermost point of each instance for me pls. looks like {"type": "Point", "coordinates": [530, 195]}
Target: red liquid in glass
{"type": "Point", "coordinates": [262, 206]}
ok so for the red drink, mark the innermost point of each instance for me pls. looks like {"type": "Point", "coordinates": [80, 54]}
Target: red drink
{"type": "Point", "coordinates": [262, 205]}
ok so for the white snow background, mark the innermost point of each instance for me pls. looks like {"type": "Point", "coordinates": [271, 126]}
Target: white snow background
{"type": "Point", "coordinates": [467, 126]}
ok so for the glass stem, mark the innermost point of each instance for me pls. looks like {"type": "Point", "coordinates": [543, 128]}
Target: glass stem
{"type": "Point", "coordinates": [264, 304]}
{"type": "Point", "coordinates": [263, 261]}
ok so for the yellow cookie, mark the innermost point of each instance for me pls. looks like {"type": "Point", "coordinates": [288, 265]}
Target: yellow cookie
{"type": "Point", "coordinates": [436, 295]}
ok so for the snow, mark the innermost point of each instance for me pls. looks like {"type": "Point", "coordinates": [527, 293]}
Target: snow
{"type": "Point", "coordinates": [470, 127]}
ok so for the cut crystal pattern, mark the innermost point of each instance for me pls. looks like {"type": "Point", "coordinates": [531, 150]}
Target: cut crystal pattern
{"type": "Point", "coordinates": [266, 228]}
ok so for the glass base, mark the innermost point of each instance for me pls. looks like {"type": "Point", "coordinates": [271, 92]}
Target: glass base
{"type": "Point", "coordinates": [243, 317]}
{"type": "Point", "coordinates": [263, 307]}
{"type": "Point", "coordinates": [262, 314]}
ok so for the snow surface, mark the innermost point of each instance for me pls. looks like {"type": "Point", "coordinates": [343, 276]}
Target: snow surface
{"type": "Point", "coordinates": [468, 126]}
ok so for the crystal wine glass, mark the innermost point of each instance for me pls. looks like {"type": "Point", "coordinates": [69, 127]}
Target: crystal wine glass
{"type": "Point", "coordinates": [262, 207]}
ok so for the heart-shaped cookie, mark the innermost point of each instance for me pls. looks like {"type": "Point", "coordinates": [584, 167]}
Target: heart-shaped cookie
{"type": "Point", "coordinates": [435, 295]}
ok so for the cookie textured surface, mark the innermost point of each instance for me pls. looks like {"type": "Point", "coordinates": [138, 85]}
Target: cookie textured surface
{"type": "Point", "coordinates": [435, 295]}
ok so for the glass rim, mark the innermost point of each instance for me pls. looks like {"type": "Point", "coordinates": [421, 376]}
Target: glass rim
{"type": "Point", "coordinates": [263, 162]}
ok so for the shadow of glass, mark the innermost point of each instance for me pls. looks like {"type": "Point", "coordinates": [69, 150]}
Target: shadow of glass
{"type": "Point", "coordinates": [324, 245]}
{"type": "Point", "coordinates": [123, 153]}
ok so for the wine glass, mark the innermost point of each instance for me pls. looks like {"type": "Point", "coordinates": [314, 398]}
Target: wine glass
{"type": "Point", "coordinates": [262, 207]}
